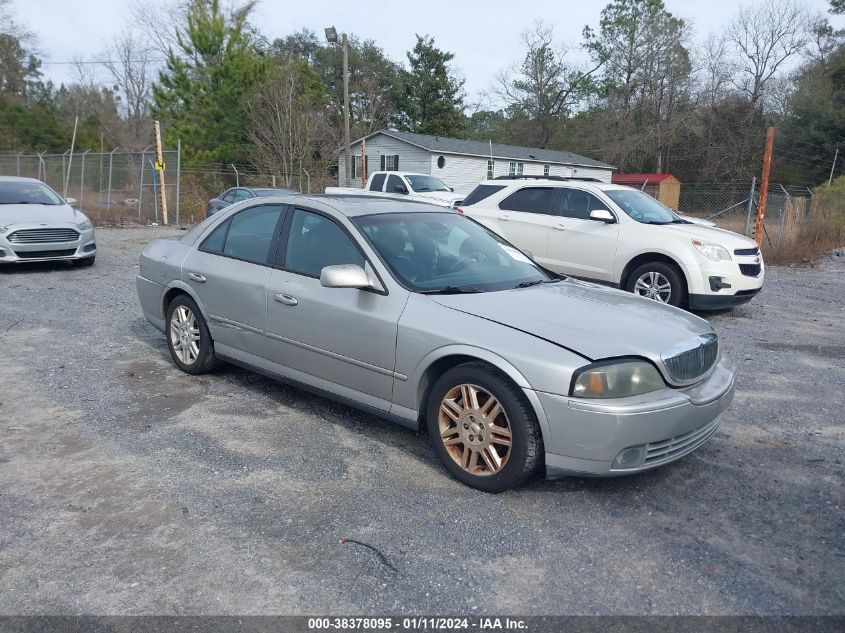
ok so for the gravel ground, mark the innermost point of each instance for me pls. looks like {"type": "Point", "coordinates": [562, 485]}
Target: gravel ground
{"type": "Point", "coordinates": [128, 487]}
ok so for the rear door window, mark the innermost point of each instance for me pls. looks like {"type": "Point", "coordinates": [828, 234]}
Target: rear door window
{"type": "Point", "coordinates": [480, 193]}
{"type": "Point", "coordinates": [377, 183]}
{"type": "Point", "coordinates": [529, 200]}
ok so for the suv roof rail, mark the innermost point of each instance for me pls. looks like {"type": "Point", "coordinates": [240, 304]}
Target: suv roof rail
{"type": "Point", "coordinates": [539, 177]}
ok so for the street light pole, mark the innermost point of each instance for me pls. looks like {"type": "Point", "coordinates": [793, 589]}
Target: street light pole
{"type": "Point", "coordinates": [346, 139]}
{"type": "Point", "coordinates": [331, 37]}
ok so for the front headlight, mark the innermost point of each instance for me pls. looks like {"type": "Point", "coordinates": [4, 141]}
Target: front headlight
{"type": "Point", "coordinates": [85, 226]}
{"type": "Point", "coordinates": [616, 379]}
{"type": "Point", "coordinates": [713, 252]}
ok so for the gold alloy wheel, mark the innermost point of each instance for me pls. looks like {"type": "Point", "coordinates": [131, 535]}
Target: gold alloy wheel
{"type": "Point", "coordinates": [185, 335]}
{"type": "Point", "coordinates": [475, 430]}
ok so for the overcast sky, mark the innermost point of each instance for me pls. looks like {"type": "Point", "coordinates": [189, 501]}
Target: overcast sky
{"type": "Point", "coordinates": [484, 35]}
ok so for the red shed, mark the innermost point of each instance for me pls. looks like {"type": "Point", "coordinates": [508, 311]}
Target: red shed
{"type": "Point", "coordinates": [665, 187]}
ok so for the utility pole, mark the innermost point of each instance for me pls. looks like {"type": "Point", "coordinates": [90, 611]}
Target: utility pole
{"type": "Point", "coordinates": [70, 161]}
{"type": "Point", "coordinates": [832, 167]}
{"type": "Point", "coordinates": [346, 106]}
{"type": "Point", "coordinates": [764, 185]}
{"type": "Point", "coordinates": [159, 166]}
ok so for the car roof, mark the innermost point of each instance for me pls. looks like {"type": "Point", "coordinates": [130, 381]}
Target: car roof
{"type": "Point", "coordinates": [352, 205]}
{"type": "Point", "coordinates": [18, 179]}
{"type": "Point", "coordinates": [546, 182]}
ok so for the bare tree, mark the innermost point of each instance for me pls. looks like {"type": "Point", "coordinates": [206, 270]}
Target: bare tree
{"type": "Point", "coordinates": [291, 131]}
{"type": "Point", "coordinates": [544, 87]}
{"type": "Point", "coordinates": [764, 38]}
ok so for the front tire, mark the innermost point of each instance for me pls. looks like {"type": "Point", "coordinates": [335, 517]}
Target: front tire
{"type": "Point", "coordinates": [658, 281]}
{"type": "Point", "coordinates": [483, 429]}
{"type": "Point", "coordinates": [188, 337]}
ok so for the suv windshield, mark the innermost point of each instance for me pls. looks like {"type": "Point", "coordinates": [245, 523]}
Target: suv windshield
{"type": "Point", "coordinates": [27, 192]}
{"type": "Point", "coordinates": [447, 253]}
{"type": "Point", "coordinates": [426, 183]}
{"type": "Point", "coordinates": [642, 207]}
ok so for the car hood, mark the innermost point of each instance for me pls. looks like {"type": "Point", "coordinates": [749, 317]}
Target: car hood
{"type": "Point", "coordinates": [728, 239]}
{"type": "Point", "coordinates": [38, 214]}
{"type": "Point", "coordinates": [445, 196]}
{"type": "Point", "coordinates": [594, 321]}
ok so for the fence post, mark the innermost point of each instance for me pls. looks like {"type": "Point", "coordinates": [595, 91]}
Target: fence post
{"type": "Point", "coordinates": [308, 180]}
{"type": "Point", "coordinates": [750, 206]}
{"type": "Point", "coordinates": [18, 161]}
{"type": "Point", "coordinates": [178, 177]}
{"type": "Point", "coordinates": [783, 214]}
{"type": "Point", "coordinates": [108, 195]}
{"type": "Point", "coordinates": [141, 185]}
{"type": "Point", "coordinates": [82, 180]}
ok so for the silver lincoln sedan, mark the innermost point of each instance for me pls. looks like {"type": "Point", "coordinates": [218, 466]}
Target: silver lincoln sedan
{"type": "Point", "coordinates": [425, 317]}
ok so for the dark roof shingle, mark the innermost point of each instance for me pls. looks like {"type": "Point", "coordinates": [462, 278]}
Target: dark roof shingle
{"type": "Point", "coordinates": [499, 150]}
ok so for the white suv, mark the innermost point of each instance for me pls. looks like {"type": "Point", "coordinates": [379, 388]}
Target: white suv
{"type": "Point", "coordinates": [620, 236]}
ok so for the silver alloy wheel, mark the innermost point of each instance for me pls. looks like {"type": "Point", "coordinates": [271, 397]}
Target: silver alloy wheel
{"type": "Point", "coordinates": [653, 285]}
{"type": "Point", "coordinates": [185, 335]}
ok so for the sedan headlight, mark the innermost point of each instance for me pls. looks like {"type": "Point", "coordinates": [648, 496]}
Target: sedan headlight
{"type": "Point", "coordinates": [85, 226]}
{"type": "Point", "coordinates": [616, 379]}
{"type": "Point", "coordinates": [713, 252]}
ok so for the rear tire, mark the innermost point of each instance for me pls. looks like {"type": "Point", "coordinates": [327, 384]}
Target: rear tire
{"type": "Point", "coordinates": [188, 337]}
{"type": "Point", "coordinates": [483, 429]}
{"type": "Point", "coordinates": [658, 281]}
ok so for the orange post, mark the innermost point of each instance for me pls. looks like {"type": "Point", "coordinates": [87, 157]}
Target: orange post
{"type": "Point", "coordinates": [764, 185]}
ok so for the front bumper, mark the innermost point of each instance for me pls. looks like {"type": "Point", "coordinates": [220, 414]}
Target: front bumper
{"type": "Point", "coordinates": [719, 285]}
{"type": "Point", "coordinates": [83, 247]}
{"type": "Point", "coordinates": [584, 437]}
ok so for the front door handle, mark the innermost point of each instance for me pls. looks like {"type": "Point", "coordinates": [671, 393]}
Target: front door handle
{"type": "Point", "coordinates": [285, 299]}
{"type": "Point", "coordinates": [504, 217]}
{"type": "Point", "coordinates": [559, 227]}
{"type": "Point", "coordinates": [200, 279]}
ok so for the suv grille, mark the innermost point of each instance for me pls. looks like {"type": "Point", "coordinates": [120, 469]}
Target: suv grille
{"type": "Point", "coordinates": [43, 236]}
{"type": "Point", "coordinates": [747, 251]}
{"type": "Point", "coordinates": [694, 362]}
{"type": "Point", "coordinates": [750, 270]}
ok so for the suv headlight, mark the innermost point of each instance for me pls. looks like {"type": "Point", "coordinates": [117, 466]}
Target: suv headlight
{"type": "Point", "coordinates": [713, 252]}
{"type": "Point", "coordinates": [616, 379]}
{"type": "Point", "coordinates": [85, 226]}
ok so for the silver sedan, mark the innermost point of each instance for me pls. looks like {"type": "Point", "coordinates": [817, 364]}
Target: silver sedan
{"type": "Point", "coordinates": [426, 318]}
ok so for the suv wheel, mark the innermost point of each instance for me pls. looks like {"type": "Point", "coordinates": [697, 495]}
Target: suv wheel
{"type": "Point", "coordinates": [483, 429]}
{"type": "Point", "coordinates": [658, 281]}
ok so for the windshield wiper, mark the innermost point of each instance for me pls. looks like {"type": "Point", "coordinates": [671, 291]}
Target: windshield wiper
{"type": "Point", "coordinates": [451, 290]}
{"type": "Point", "coordinates": [528, 284]}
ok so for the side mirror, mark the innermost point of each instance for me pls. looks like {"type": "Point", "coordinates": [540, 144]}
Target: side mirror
{"type": "Point", "coordinates": [70, 200]}
{"type": "Point", "coordinates": [344, 276]}
{"type": "Point", "coordinates": [602, 215]}
{"type": "Point", "coordinates": [452, 189]}
{"type": "Point", "coordinates": [400, 189]}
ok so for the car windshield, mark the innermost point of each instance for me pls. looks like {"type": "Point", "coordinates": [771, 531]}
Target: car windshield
{"type": "Point", "coordinates": [426, 183]}
{"type": "Point", "coordinates": [27, 192]}
{"type": "Point", "coordinates": [642, 207]}
{"type": "Point", "coordinates": [447, 253]}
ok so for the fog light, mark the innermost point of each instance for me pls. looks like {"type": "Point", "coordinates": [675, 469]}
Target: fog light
{"type": "Point", "coordinates": [631, 457]}
{"type": "Point", "coordinates": [717, 283]}
{"type": "Point", "coordinates": [2, 253]}
{"type": "Point", "coordinates": [89, 247]}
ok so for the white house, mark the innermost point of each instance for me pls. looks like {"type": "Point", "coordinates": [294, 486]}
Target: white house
{"type": "Point", "coordinates": [462, 164]}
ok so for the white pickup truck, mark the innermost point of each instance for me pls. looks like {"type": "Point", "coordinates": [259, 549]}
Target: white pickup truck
{"type": "Point", "coordinates": [420, 187]}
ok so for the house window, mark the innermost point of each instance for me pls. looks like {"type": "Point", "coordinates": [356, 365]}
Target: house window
{"type": "Point", "coordinates": [441, 162]}
{"type": "Point", "coordinates": [545, 170]}
{"type": "Point", "coordinates": [491, 168]}
{"type": "Point", "coordinates": [390, 162]}
{"type": "Point", "coordinates": [355, 163]}
{"type": "Point", "coordinates": [515, 169]}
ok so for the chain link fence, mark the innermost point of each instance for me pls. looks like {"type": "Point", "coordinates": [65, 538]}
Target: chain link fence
{"type": "Point", "coordinates": [116, 188]}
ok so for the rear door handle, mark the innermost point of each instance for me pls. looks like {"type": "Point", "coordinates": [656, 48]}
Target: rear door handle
{"type": "Point", "coordinates": [559, 227]}
{"type": "Point", "coordinates": [285, 299]}
{"type": "Point", "coordinates": [504, 217]}
{"type": "Point", "coordinates": [200, 279]}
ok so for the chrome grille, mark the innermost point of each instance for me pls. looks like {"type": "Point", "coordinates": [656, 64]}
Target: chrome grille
{"type": "Point", "coordinates": [43, 236]}
{"type": "Point", "coordinates": [674, 447]}
{"type": "Point", "coordinates": [695, 361]}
